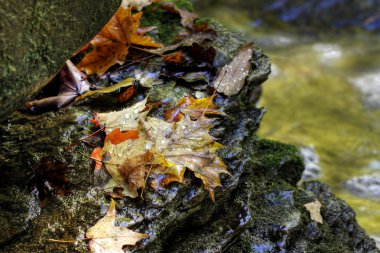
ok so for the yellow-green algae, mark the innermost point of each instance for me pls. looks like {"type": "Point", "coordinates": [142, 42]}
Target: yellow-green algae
{"type": "Point", "coordinates": [313, 103]}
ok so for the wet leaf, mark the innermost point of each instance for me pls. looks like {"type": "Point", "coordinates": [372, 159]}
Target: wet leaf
{"type": "Point", "coordinates": [186, 145]}
{"type": "Point", "coordinates": [127, 119]}
{"type": "Point", "coordinates": [164, 150]}
{"type": "Point", "coordinates": [174, 58]}
{"type": "Point", "coordinates": [126, 83]}
{"type": "Point", "coordinates": [72, 83]}
{"type": "Point", "coordinates": [127, 94]}
{"type": "Point", "coordinates": [231, 78]}
{"type": "Point", "coordinates": [147, 78]}
{"type": "Point", "coordinates": [97, 156]}
{"type": "Point", "coordinates": [127, 163]}
{"type": "Point", "coordinates": [117, 137]}
{"type": "Point", "coordinates": [315, 211]}
{"type": "Point", "coordinates": [111, 44]}
{"type": "Point", "coordinates": [192, 107]}
{"type": "Point", "coordinates": [106, 237]}
{"type": "Point", "coordinates": [187, 17]}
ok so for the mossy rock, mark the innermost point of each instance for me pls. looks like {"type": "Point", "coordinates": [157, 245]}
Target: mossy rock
{"type": "Point", "coordinates": [260, 206]}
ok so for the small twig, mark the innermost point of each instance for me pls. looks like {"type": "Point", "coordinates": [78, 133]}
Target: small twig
{"type": "Point", "coordinates": [146, 179]}
{"type": "Point", "coordinates": [82, 139]}
{"type": "Point", "coordinates": [62, 241]}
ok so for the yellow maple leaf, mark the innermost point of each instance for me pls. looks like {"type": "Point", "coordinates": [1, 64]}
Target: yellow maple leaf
{"type": "Point", "coordinates": [193, 107]}
{"type": "Point", "coordinates": [106, 237]}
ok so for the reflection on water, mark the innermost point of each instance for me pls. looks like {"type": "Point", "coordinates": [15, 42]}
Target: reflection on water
{"type": "Point", "coordinates": [324, 97]}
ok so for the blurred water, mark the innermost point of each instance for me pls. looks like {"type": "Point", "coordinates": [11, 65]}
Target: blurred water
{"type": "Point", "coordinates": [323, 96]}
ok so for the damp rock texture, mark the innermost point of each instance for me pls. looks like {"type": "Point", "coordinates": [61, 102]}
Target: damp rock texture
{"type": "Point", "coordinates": [37, 37]}
{"type": "Point", "coordinates": [259, 208]}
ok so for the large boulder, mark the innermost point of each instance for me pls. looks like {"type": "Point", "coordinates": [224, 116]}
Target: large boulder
{"type": "Point", "coordinates": [37, 37]}
{"type": "Point", "coordinates": [259, 208]}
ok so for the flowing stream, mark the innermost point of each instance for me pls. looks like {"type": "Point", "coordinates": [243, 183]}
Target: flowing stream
{"type": "Point", "coordinates": [323, 96]}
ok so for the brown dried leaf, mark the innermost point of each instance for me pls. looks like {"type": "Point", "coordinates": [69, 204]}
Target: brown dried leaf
{"type": "Point", "coordinates": [72, 83]}
{"type": "Point", "coordinates": [231, 78]}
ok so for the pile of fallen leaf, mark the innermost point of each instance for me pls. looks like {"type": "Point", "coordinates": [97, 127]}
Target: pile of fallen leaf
{"type": "Point", "coordinates": [135, 148]}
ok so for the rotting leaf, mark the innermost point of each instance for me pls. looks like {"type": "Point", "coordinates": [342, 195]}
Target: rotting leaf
{"type": "Point", "coordinates": [126, 83]}
{"type": "Point", "coordinates": [111, 44]}
{"type": "Point", "coordinates": [231, 78]}
{"type": "Point", "coordinates": [49, 179]}
{"type": "Point", "coordinates": [106, 237]}
{"type": "Point", "coordinates": [187, 17]}
{"type": "Point", "coordinates": [193, 107]}
{"type": "Point", "coordinates": [72, 83]}
{"type": "Point", "coordinates": [315, 211]}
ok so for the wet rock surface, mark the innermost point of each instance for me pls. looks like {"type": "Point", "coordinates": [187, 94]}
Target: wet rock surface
{"type": "Point", "coordinates": [260, 207]}
{"type": "Point", "coordinates": [36, 39]}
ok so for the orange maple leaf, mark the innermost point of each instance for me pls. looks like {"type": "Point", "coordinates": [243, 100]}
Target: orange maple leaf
{"type": "Point", "coordinates": [117, 137]}
{"type": "Point", "coordinates": [127, 94]}
{"type": "Point", "coordinates": [97, 156]}
{"type": "Point", "coordinates": [111, 44]}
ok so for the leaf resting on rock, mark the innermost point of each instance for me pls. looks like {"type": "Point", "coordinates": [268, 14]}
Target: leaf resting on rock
{"type": "Point", "coordinates": [72, 83]}
{"type": "Point", "coordinates": [126, 83]}
{"type": "Point", "coordinates": [111, 44]}
{"type": "Point", "coordinates": [231, 78]}
{"type": "Point", "coordinates": [106, 237]}
{"type": "Point", "coordinates": [163, 150]}
{"type": "Point", "coordinates": [193, 107]}
{"type": "Point", "coordinates": [315, 211]}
